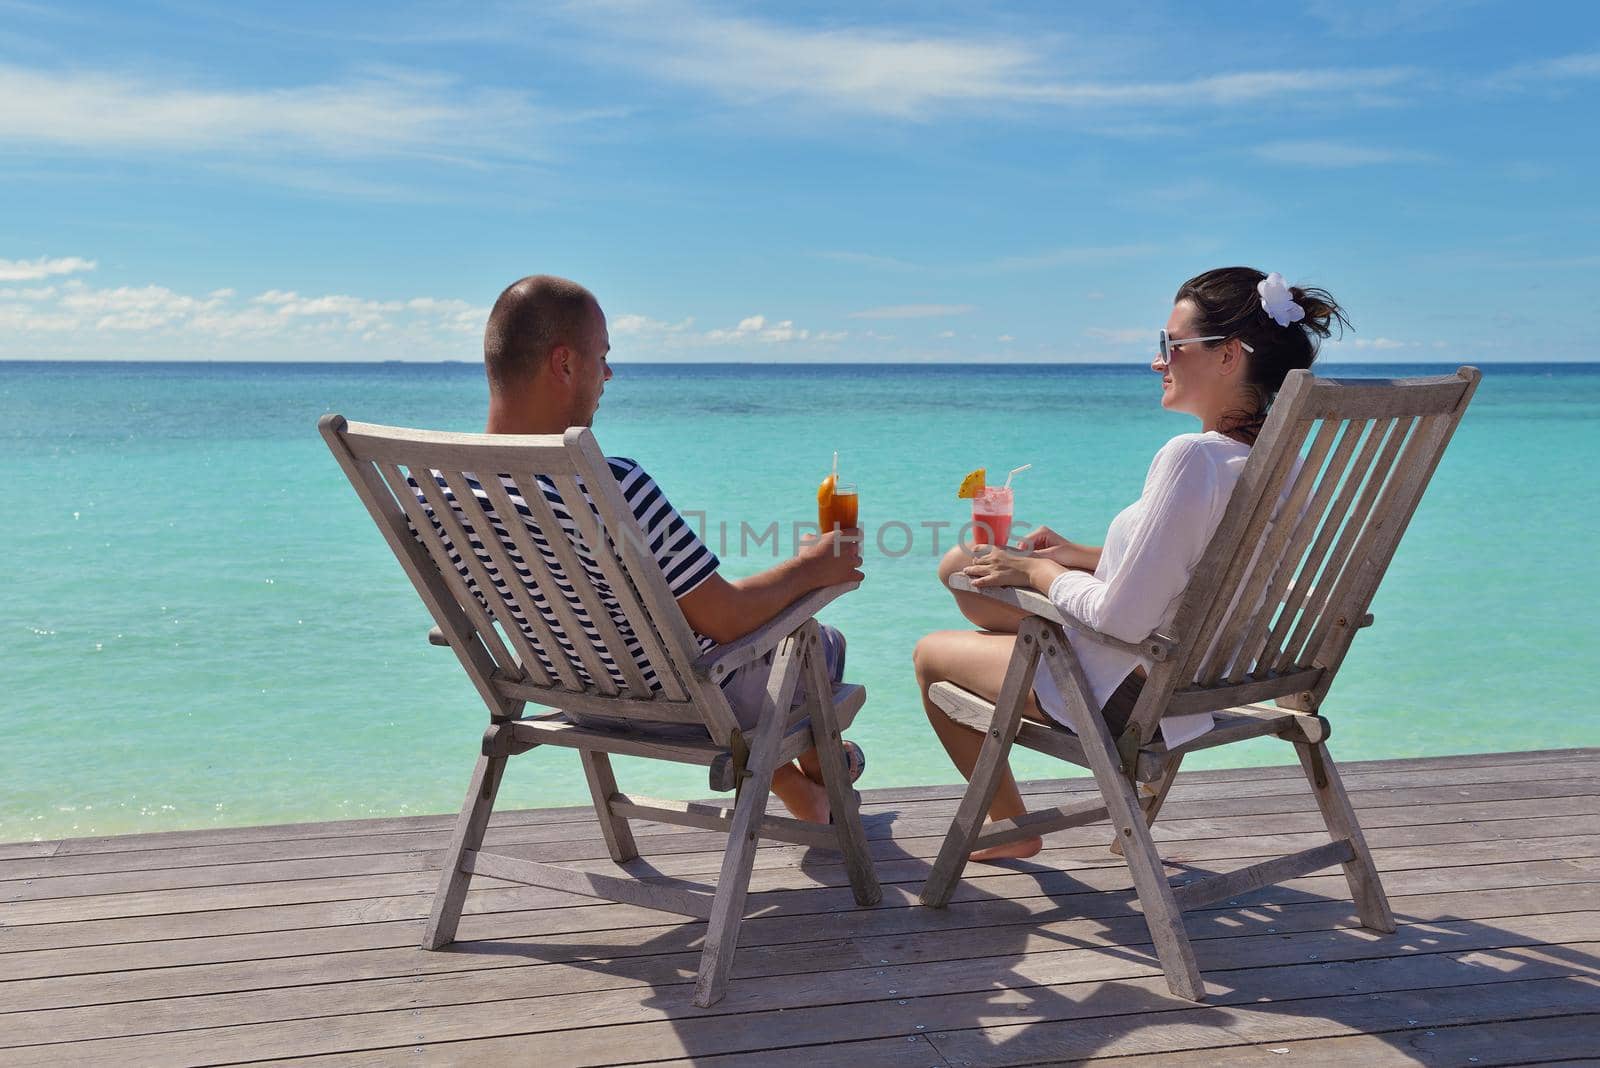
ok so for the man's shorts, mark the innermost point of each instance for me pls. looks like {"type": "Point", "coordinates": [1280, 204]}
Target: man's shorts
{"type": "Point", "coordinates": [746, 690]}
{"type": "Point", "coordinates": [747, 686]}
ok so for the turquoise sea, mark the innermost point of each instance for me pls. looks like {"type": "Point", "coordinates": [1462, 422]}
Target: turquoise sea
{"type": "Point", "coordinates": [200, 626]}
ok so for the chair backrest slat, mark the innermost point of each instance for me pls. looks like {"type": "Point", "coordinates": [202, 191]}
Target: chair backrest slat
{"type": "Point", "coordinates": [1204, 606]}
{"type": "Point", "coordinates": [1304, 517]}
{"type": "Point", "coordinates": [1281, 521]}
{"type": "Point", "coordinates": [595, 653]}
{"type": "Point", "coordinates": [1275, 598]}
{"type": "Point", "coordinates": [488, 530]}
{"type": "Point", "coordinates": [650, 585]}
{"type": "Point", "coordinates": [531, 492]}
{"type": "Point", "coordinates": [602, 542]}
{"type": "Point", "coordinates": [1359, 581]}
{"type": "Point", "coordinates": [386, 510]}
{"type": "Point", "coordinates": [1303, 583]}
{"type": "Point", "coordinates": [1348, 533]}
{"type": "Point", "coordinates": [449, 527]}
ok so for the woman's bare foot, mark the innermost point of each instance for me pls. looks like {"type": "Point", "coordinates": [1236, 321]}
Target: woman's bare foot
{"type": "Point", "coordinates": [1019, 850]}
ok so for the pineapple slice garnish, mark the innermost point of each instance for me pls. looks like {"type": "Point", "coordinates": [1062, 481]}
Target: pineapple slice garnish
{"type": "Point", "coordinates": [973, 484]}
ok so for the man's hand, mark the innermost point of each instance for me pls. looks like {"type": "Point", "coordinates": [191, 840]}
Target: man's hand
{"type": "Point", "coordinates": [728, 611]}
{"type": "Point", "coordinates": [832, 557]}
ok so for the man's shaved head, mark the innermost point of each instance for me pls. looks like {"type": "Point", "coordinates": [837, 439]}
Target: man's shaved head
{"type": "Point", "coordinates": [533, 316]}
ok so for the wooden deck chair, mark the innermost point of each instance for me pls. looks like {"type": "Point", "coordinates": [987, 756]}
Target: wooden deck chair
{"type": "Point", "coordinates": [1282, 588]}
{"type": "Point", "coordinates": [684, 717]}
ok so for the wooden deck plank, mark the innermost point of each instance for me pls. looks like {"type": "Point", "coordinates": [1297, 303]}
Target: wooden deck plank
{"type": "Point", "coordinates": [1287, 797]}
{"type": "Point", "coordinates": [1512, 800]}
{"type": "Point", "coordinates": [862, 1004]}
{"type": "Point", "coordinates": [1485, 841]}
{"type": "Point", "coordinates": [1182, 820]}
{"type": "Point", "coordinates": [907, 828]}
{"type": "Point", "coordinates": [788, 915]}
{"type": "Point", "coordinates": [793, 890]}
{"type": "Point", "coordinates": [1436, 768]}
{"type": "Point", "coordinates": [297, 942]}
{"type": "Point", "coordinates": [1562, 1039]}
{"type": "Point", "coordinates": [343, 983]}
{"type": "Point", "coordinates": [1197, 1028]}
{"type": "Point", "coordinates": [1002, 898]}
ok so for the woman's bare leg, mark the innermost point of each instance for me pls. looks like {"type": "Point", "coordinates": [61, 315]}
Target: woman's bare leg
{"type": "Point", "coordinates": [988, 614]}
{"type": "Point", "coordinates": [976, 662]}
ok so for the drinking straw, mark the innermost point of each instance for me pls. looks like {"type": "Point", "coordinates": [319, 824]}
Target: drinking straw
{"type": "Point", "coordinates": [835, 467]}
{"type": "Point", "coordinates": [1015, 472]}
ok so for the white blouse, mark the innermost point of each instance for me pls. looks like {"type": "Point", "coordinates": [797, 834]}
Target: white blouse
{"type": "Point", "coordinates": [1150, 551]}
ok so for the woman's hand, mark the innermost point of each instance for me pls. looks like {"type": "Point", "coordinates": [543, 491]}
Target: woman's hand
{"type": "Point", "coordinates": [1042, 538]}
{"type": "Point", "coordinates": [1052, 546]}
{"type": "Point", "coordinates": [1004, 567]}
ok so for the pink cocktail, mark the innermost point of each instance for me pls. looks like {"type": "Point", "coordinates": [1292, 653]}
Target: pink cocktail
{"type": "Point", "coordinates": [991, 516]}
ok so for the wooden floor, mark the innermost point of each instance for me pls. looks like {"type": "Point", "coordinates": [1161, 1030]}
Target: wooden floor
{"type": "Point", "coordinates": [299, 942]}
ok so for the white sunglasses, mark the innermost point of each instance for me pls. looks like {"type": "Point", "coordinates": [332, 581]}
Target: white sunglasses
{"type": "Point", "coordinates": [1170, 343]}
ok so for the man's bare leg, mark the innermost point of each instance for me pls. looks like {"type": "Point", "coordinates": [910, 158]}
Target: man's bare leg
{"type": "Point", "coordinates": [804, 798]}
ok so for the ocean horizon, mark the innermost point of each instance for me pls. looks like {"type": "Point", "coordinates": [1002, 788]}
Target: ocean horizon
{"type": "Point", "coordinates": [203, 627]}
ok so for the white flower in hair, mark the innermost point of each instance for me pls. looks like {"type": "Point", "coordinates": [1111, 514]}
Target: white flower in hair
{"type": "Point", "coordinates": [1277, 301]}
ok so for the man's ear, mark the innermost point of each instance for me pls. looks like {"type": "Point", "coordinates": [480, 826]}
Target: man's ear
{"type": "Point", "coordinates": [561, 363]}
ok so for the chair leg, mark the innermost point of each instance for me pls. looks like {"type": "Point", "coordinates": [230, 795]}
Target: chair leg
{"type": "Point", "coordinates": [1154, 797]}
{"type": "Point", "coordinates": [602, 784]}
{"type": "Point", "coordinates": [985, 779]}
{"type": "Point", "coordinates": [1340, 817]}
{"type": "Point", "coordinates": [1161, 912]}
{"type": "Point", "coordinates": [733, 884]}
{"type": "Point", "coordinates": [451, 894]}
{"type": "Point", "coordinates": [843, 801]}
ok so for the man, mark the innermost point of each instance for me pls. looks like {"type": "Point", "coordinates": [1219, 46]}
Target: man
{"type": "Point", "coordinates": [545, 355]}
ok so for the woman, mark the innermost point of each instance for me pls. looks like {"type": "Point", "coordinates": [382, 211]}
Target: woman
{"type": "Point", "coordinates": [1233, 336]}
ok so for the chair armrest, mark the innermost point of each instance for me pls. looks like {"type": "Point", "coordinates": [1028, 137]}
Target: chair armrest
{"type": "Point", "coordinates": [765, 638]}
{"type": "Point", "coordinates": [436, 637]}
{"type": "Point", "coordinates": [1157, 646]}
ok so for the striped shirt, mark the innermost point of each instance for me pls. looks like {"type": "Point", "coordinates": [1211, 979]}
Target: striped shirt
{"type": "Point", "coordinates": [684, 560]}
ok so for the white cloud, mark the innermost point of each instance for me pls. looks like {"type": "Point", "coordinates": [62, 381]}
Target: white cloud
{"type": "Point", "coordinates": [913, 311]}
{"type": "Point", "coordinates": [1005, 339]}
{"type": "Point", "coordinates": [901, 74]}
{"type": "Point", "coordinates": [758, 328]}
{"type": "Point", "coordinates": [638, 336]}
{"type": "Point", "coordinates": [1336, 154]}
{"type": "Point", "coordinates": [392, 114]}
{"type": "Point", "coordinates": [76, 319]}
{"type": "Point", "coordinates": [945, 335]}
{"type": "Point", "coordinates": [644, 326]}
{"type": "Point", "coordinates": [43, 267]}
{"type": "Point", "coordinates": [1579, 66]}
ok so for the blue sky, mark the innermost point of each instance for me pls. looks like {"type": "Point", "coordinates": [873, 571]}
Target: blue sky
{"type": "Point", "coordinates": [901, 181]}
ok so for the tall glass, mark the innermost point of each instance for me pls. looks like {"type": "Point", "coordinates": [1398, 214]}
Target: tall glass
{"type": "Point", "coordinates": [991, 516]}
{"type": "Point", "coordinates": [841, 508]}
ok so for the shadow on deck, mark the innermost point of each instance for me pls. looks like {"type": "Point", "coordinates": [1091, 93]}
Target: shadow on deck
{"type": "Point", "coordinates": [299, 942]}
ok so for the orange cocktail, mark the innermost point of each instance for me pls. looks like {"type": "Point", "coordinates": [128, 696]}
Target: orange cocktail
{"type": "Point", "coordinates": [837, 505]}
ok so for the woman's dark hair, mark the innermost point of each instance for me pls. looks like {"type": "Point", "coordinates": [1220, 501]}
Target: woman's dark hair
{"type": "Point", "coordinates": [1227, 303]}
